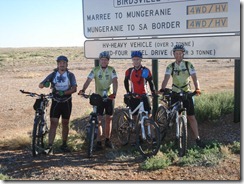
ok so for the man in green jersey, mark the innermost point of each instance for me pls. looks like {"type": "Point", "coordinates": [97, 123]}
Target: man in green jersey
{"type": "Point", "coordinates": [106, 84]}
{"type": "Point", "coordinates": [181, 71]}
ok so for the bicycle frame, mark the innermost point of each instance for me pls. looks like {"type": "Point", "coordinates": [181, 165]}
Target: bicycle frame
{"type": "Point", "coordinates": [40, 127]}
{"type": "Point", "coordinates": [176, 113]}
{"type": "Point", "coordinates": [140, 117]}
{"type": "Point", "coordinates": [177, 109]}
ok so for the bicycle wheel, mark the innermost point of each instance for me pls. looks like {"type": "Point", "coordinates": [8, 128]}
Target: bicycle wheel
{"type": "Point", "coordinates": [90, 138]}
{"type": "Point", "coordinates": [149, 145]}
{"type": "Point", "coordinates": [182, 140]}
{"type": "Point", "coordinates": [37, 137]}
{"type": "Point", "coordinates": [123, 128]}
{"type": "Point", "coordinates": [161, 120]}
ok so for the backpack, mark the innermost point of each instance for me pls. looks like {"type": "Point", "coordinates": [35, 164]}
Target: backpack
{"type": "Point", "coordinates": [54, 74]}
{"type": "Point", "coordinates": [173, 67]}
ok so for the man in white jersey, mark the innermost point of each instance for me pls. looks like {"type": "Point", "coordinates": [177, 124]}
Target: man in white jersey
{"type": "Point", "coordinates": [181, 71]}
{"type": "Point", "coordinates": [106, 83]}
{"type": "Point", "coordinates": [63, 84]}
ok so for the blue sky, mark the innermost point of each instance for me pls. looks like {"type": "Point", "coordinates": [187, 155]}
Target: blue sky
{"type": "Point", "coordinates": [41, 23]}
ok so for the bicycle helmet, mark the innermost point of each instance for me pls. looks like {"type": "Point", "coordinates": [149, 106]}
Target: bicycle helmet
{"type": "Point", "coordinates": [104, 54]}
{"type": "Point", "coordinates": [62, 58]}
{"type": "Point", "coordinates": [136, 54]}
{"type": "Point", "coordinates": [179, 47]}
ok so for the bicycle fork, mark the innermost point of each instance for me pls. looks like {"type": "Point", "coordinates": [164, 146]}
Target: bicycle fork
{"type": "Point", "coordinates": [141, 122]}
{"type": "Point", "coordinates": [178, 115]}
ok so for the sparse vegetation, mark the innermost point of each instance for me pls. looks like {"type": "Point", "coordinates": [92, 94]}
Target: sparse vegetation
{"type": "Point", "coordinates": [209, 156]}
{"type": "Point", "coordinates": [212, 106]}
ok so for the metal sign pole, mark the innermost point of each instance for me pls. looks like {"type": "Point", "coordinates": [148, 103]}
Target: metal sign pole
{"type": "Point", "coordinates": [96, 62]}
{"type": "Point", "coordinates": [237, 92]}
{"type": "Point", "coordinates": [155, 80]}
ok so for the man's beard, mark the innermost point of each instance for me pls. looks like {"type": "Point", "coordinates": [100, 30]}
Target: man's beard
{"type": "Point", "coordinates": [62, 68]}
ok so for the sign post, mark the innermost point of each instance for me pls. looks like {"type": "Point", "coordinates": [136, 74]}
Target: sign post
{"type": "Point", "coordinates": [155, 26]}
{"type": "Point", "coordinates": [155, 81]}
{"type": "Point", "coordinates": [204, 47]}
{"type": "Point", "coordinates": [147, 18]}
{"type": "Point", "coordinates": [237, 92]}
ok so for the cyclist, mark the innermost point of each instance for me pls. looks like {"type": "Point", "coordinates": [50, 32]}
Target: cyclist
{"type": "Point", "coordinates": [63, 84]}
{"type": "Point", "coordinates": [106, 83]}
{"type": "Point", "coordinates": [181, 72]}
{"type": "Point", "coordinates": [138, 76]}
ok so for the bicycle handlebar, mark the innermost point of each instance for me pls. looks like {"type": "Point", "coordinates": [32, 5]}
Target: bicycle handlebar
{"type": "Point", "coordinates": [88, 96]}
{"type": "Point", "coordinates": [50, 95]}
{"type": "Point", "coordinates": [135, 95]}
{"type": "Point", "coordinates": [85, 95]}
{"type": "Point", "coordinates": [169, 93]}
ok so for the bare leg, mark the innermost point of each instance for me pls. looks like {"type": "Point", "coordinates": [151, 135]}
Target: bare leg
{"type": "Point", "coordinates": [108, 126]}
{"type": "Point", "coordinates": [65, 129]}
{"type": "Point", "coordinates": [194, 126]}
{"type": "Point", "coordinates": [52, 131]}
{"type": "Point", "coordinates": [100, 129]}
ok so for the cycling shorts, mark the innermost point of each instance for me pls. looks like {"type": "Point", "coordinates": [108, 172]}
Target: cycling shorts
{"type": "Point", "coordinates": [108, 106]}
{"type": "Point", "coordinates": [188, 104]}
{"type": "Point", "coordinates": [134, 102]}
{"type": "Point", "coordinates": [61, 109]}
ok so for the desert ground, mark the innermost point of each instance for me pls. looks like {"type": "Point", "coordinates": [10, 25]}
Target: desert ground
{"type": "Point", "coordinates": [25, 68]}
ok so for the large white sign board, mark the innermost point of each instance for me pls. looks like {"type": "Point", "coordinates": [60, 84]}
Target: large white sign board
{"type": "Point", "coordinates": [196, 47]}
{"type": "Point", "coordinates": [140, 18]}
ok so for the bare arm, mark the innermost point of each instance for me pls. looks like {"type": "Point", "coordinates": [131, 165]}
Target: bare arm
{"type": "Point", "coordinates": [115, 85]}
{"type": "Point", "coordinates": [73, 89]}
{"type": "Point", "coordinates": [195, 81]}
{"type": "Point", "coordinates": [41, 85]}
{"type": "Point", "coordinates": [86, 84]}
{"type": "Point", "coordinates": [165, 81]}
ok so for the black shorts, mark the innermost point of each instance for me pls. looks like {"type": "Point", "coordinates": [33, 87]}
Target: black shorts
{"type": "Point", "coordinates": [134, 102]}
{"type": "Point", "coordinates": [108, 106]}
{"type": "Point", "coordinates": [188, 104]}
{"type": "Point", "coordinates": [61, 109]}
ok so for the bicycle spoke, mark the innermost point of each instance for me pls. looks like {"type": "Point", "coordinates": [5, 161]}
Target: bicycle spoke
{"type": "Point", "coordinates": [161, 120]}
{"type": "Point", "coordinates": [182, 142]}
{"type": "Point", "coordinates": [150, 145]}
{"type": "Point", "coordinates": [123, 128]}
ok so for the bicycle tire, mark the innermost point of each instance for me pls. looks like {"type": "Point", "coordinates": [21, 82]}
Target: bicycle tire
{"type": "Point", "coordinates": [182, 140]}
{"type": "Point", "coordinates": [150, 146]}
{"type": "Point", "coordinates": [123, 128]}
{"type": "Point", "coordinates": [90, 137]}
{"type": "Point", "coordinates": [37, 137]}
{"type": "Point", "coordinates": [161, 120]}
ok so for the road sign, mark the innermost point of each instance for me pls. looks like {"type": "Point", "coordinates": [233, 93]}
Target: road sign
{"type": "Point", "coordinates": [141, 18]}
{"type": "Point", "coordinates": [196, 47]}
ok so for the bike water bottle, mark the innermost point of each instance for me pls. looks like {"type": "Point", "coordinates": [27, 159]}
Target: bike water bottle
{"type": "Point", "coordinates": [105, 95]}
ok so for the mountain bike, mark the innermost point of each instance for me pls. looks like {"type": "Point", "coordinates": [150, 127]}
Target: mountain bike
{"type": "Point", "coordinates": [169, 114]}
{"type": "Point", "coordinates": [92, 126]}
{"type": "Point", "coordinates": [147, 131]}
{"type": "Point", "coordinates": [40, 126]}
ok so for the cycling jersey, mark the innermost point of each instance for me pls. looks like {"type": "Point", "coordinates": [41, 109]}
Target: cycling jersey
{"type": "Point", "coordinates": [103, 79]}
{"type": "Point", "coordinates": [138, 83]}
{"type": "Point", "coordinates": [61, 82]}
{"type": "Point", "coordinates": [181, 77]}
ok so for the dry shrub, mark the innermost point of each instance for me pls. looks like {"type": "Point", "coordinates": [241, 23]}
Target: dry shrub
{"type": "Point", "coordinates": [17, 142]}
{"type": "Point", "coordinates": [29, 75]}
